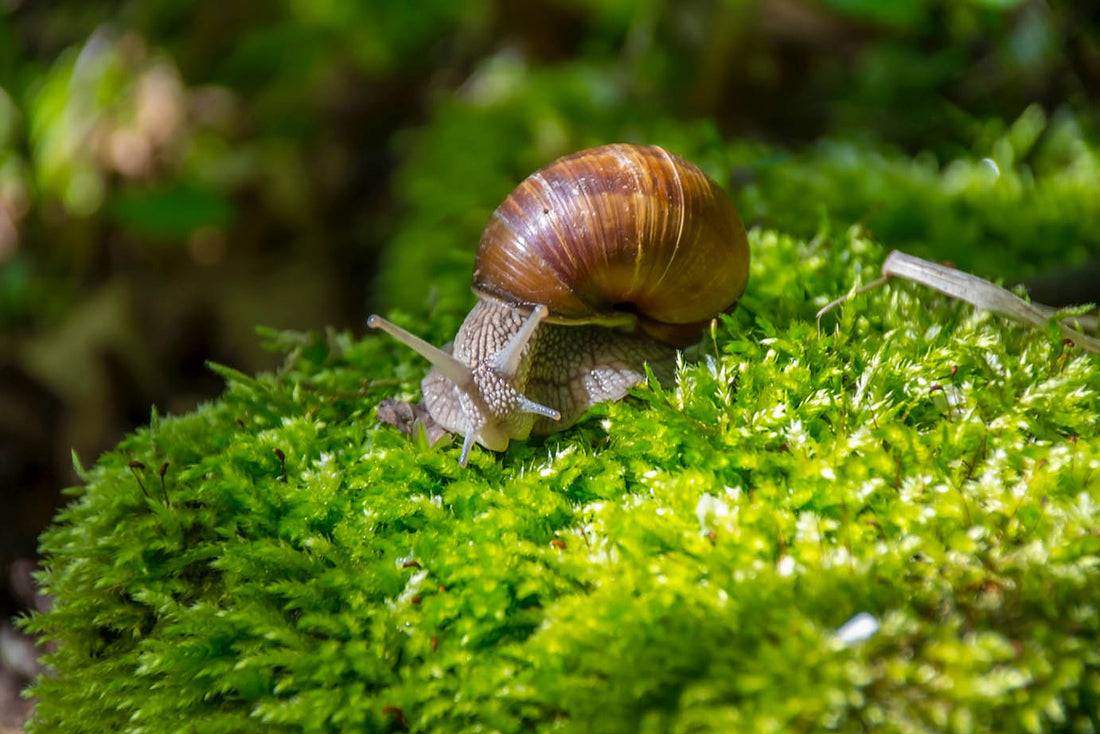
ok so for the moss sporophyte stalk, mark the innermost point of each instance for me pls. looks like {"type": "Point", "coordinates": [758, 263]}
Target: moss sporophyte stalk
{"type": "Point", "coordinates": [799, 530]}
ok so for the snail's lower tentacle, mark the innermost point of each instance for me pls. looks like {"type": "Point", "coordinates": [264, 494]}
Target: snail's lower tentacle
{"type": "Point", "coordinates": [530, 406]}
{"type": "Point", "coordinates": [467, 444]}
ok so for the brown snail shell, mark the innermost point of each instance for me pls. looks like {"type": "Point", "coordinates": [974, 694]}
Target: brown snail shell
{"type": "Point", "coordinates": [618, 229]}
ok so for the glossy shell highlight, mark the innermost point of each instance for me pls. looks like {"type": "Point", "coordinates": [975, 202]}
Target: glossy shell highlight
{"type": "Point", "coordinates": [618, 229]}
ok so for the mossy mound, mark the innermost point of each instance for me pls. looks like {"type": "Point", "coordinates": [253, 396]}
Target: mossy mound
{"type": "Point", "coordinates": [679, 561]}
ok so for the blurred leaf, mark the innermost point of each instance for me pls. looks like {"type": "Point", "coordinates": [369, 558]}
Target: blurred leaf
{"type": "Point", "coordinates": [890, 12]}
{"type": "Point", "coordinates": [170, 213]}
{"type": "Point", "coordinates": [9, 120]}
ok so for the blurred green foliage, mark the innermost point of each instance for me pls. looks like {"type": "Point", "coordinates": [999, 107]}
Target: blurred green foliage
{"type": "Point", "coordinates": [1025, 200]}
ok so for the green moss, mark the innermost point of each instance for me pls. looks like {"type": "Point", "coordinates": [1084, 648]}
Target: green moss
{"type": "Point", "coordinates": [679, 561]}
{"type": "Point", "coordinates": [1029, 197]}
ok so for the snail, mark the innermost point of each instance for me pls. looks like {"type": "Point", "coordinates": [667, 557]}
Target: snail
{"type": "Point", "coordinates": [601, 262]}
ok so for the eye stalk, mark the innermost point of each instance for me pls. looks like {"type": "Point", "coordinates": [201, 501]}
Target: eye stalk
{"type": "Point", "coordinates": [454, 370]}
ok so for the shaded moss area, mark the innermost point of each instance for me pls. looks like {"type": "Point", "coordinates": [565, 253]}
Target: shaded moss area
{"type": "Point", "coordinates": [679, 561]}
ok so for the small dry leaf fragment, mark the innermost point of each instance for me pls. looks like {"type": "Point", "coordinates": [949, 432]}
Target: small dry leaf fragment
{"type": "Point", "coordinates": [410, 418]}
{"type": "Point", "coordinates": [976, 291]}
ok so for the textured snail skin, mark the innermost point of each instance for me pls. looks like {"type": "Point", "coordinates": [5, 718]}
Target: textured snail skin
{"type": "Point", "coordinates": [568, 368]}
{"type": "Point", "coordinates": [595, 266]}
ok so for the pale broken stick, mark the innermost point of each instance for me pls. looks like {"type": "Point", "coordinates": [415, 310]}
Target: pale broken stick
{"type": "Point", "coordinates": [970, 288]}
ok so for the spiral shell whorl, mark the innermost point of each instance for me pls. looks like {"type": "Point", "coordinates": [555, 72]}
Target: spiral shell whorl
{"type": "Point", "coordinates": [618, 228]}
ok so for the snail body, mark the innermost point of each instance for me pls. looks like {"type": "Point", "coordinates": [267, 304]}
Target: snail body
{"type": "Point", "coordinates": [601, 262]}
